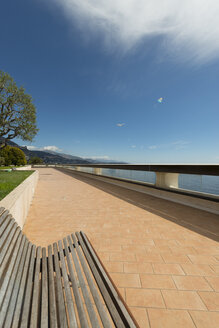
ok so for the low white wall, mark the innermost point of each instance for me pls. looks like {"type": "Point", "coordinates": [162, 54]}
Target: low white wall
{"type": "Point", "coordinates": [23, 168]}
{"type": "Point", "coordinates": [19, 199]}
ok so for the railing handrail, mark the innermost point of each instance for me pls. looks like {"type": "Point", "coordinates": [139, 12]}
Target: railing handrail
{"type": "Point", "coordinates": [200, 169]}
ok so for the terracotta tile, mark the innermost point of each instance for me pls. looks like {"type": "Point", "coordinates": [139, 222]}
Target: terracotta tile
{"type": "Point", "coordinates": [126, 279]}
{"type": "Point", "coordinates": [182, 250]}
{"type": "Point", "coordinates": [140, 315]}
{"type": "Point", "coordinates": [148, 257]}
{"type": "Point", "coordinates": [157, 249]}
{"type": "Point", "coordinates": [185, 300]}
{"type": "Point", "coordinates": [171, 258]}
{"type": "Point", "coordinates": [110, 248]}
{"type": "Point", "coordinates": [205, 319]}
{"type": "Point", "coordinates": [157, 281]}
{"type": "Point", "coordinates": [163, 268]}
{"type": "Point", "coordinates": [122, 257]}
{"type": "Point", "coordinates": [211, 300]}
{"type": "Point", "coordinates": [203, 259]}
{"type": "Point", "coordinates": [103, 256]}
{"type": "Point", "coordinates": [160, 318]}
{"type": "Point", "coordinates": [191, 283]}
{"type": "Point", "coordinates": [214, 282]}
{"type": "Point", "coordinates": [144, 298]}
{"type": "Point", "coordinates": [198, 269]}
{"type": "Point", "coordinates": [164, 242]}
{"type": "Point", "coordinates": [138, 267]}
{"type": "Point", "coordinates": [133, 248]}
{"type": "Point", "coordinates": [122, 292]}
{"type": "Point", "coordinates": [114, 266]}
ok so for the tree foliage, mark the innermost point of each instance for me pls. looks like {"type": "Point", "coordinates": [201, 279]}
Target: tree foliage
{"type": "Point", "coordinates": [13, 156]}
{"type": "Point", "coordinates": [35, 160]}
{"type": "Point", "coordinates": [17, 111]}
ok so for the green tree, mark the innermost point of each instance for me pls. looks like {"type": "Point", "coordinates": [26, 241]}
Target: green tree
{"type": "Point", "coordinates": [13, 156]}
{"type": "Point", "coordinates": [35, 160]}
{"type": "Point", "coordinates": [2, 161]}
{"type": "Point", "coordinates": [5, 153]}
{"type": "Point", "coordinates": [17, 112]}
{"type": "Point", "coordinates": [17, 156]}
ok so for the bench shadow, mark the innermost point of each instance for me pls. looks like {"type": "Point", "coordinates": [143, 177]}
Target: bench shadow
{"type": "Point", "coordinates": [201, 222]}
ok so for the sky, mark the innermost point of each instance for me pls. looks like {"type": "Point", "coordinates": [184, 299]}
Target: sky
{"type": "Point", "coordinates": [97, 68]}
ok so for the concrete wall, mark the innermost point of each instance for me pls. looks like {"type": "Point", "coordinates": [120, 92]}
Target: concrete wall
{"type": "Point", "coordinates": [24, 168]}
{"type": "Point", "coordinates": [19, 199]}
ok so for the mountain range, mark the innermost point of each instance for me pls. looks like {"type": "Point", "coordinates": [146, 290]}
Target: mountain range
{"type": "Point", "coordinates": [52, 157]}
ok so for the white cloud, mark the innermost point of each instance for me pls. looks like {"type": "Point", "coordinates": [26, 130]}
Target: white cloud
{"type": "Point", "coordinates": [45, 148]}
{"type": "Point", "coordinates": [53, 148]}
{"type": "Point", "coordinates": [177, 145]}
{"type": "Point", "coordinates": [120, 124]}
{"type": "Point", "coordinates": [133, 146]}
{"type": "Point", "coordinates": [153, 147]}
{"type": "Point", "coordinates": [187, 26]}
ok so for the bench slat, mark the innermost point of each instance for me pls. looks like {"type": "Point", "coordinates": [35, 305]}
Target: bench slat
{"type": "Point", "coordinates": [87, 299]}
{"type": "Point", "coordinates": [128, 320]}
{"type": "Point", "coordinates": [25, 318]}
{"type": "Point", "coordinates": [16, 289]}
{"type": "Point", "coordinates": [78, 301]}
{"type": "Point", "coordinates": [103, 315]}
{"type": "Point", "coordinates": [68, 296]}
{"type": "Point", "coordinates": [44, 299]}
{"type": "Point", "coordinates": [35, 310]}
{"type": "Point", "coordinates": [8, 292]}
{"type": "Point", "coordinates": [5, 219]}
{"type": "Point", "coordinates": [60, 297]}
{"type": "Point", "coordinates": [109, 302]}
{"type": "Point", "coordinates": [52, 302]}
{"type": "Point", "coordinates": [6, 234]}
{"type": "Point", "coordinates": [17, 313]}
{"type": "Point", "coordinates": [9, 270]}
{"type": "Point", "coordinates": [4, 260]}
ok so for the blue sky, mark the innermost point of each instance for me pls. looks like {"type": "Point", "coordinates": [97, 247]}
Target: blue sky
{"type": "Point", "coordinates": [91, 65]}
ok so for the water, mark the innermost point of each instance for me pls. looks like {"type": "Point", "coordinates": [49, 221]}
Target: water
{"type": "Point", "coordinates": [201, 183]}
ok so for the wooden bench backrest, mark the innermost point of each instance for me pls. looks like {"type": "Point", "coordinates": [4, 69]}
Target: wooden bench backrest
{"type": "Point", "coordinates": [65, 285]}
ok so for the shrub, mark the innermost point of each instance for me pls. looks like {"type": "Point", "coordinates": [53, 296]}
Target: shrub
{"type": "Point", "coordinates": [13, 156]}
{"type": "Point", "coordinates": [35, 160]}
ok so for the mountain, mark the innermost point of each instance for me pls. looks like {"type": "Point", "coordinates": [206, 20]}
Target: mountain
{"type": "Point", "coordinates": [49, 157]}
{"type": "Point", "coordinates": [52, 157]}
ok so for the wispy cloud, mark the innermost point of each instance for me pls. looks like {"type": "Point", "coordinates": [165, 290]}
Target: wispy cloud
{"type": "Point", "coordinates": [153, 147]}
{"type": "Point", "coordinates": [99, 157]}
{"type": "Point", "coordinates": [188, 25]}
{"type": "Point", "coordinates": [52, 148]}
{"type": "Point", "coordinates": [133, 146]}
{"type": "Point", "coordinates": [176, 145]}
{"type": "Point", "coordinates": [120, 124]}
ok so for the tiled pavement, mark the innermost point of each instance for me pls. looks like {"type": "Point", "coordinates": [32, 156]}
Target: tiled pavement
{"type": "Point", "coordinates": [164, 257]}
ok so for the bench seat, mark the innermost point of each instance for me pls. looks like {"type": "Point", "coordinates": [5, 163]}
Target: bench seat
{"type": "Point", "coordinates": [63, 285]}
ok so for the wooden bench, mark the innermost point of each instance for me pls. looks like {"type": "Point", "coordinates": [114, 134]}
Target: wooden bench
{"type": "Point", "coordinates": [65, 285]}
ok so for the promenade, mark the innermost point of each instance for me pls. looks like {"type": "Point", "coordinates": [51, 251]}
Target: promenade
{"type": "Point", "coordinates": [162, 256]}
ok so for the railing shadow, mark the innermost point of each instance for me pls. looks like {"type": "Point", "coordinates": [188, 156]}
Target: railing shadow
{"type": "Point", "coordinates": [202, 222]}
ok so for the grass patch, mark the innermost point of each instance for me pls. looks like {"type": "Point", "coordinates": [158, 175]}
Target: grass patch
{"type": "Point", "coordinates": [10, 180]}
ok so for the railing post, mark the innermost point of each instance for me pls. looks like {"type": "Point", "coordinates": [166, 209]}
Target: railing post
{"type": "Point", "coordinates": [167, 180]}
{"type": "Point", "coordinates": [97, 170]}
